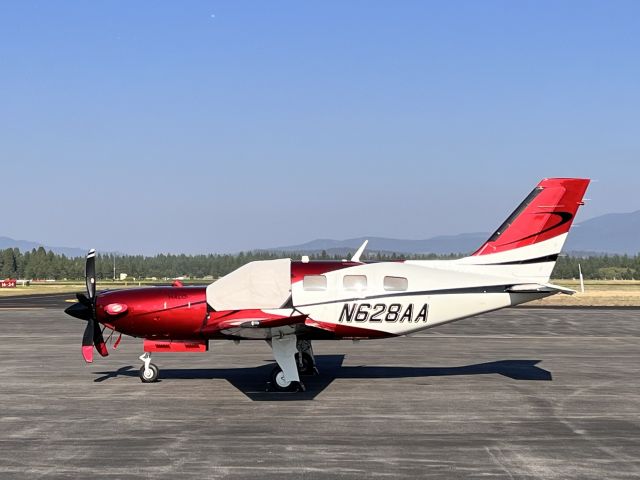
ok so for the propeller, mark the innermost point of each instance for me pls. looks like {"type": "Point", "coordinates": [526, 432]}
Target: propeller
{"type": "Point", "coordinates": [85, 309]}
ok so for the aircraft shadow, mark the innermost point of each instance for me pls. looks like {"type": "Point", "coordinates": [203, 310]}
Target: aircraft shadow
{"type": "Point", "coordinates": [252, 381]}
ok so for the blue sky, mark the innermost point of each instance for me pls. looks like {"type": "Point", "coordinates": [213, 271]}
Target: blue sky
{"type": "Point", "coordinates": [208, 126]}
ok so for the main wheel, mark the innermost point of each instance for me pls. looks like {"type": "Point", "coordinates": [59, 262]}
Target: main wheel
{"type": "Point", "coordinates": [149, 376]}
{"type": "Point", "coordinates": [280, 384]}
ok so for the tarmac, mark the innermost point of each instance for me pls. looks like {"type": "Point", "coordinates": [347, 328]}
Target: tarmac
{"type": "Point", "coordinates": [515, 394]}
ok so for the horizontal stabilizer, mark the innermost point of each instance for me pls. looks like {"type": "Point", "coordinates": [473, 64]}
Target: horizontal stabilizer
{"type": "Point", "coordinates": [540, 288]}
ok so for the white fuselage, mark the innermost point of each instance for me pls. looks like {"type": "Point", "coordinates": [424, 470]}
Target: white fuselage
{"type": "Point", "coordinates": [434, 293]}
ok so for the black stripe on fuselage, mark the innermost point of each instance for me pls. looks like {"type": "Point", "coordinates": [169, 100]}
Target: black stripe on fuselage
{"type": "Point", "coordinates": [548, 258]}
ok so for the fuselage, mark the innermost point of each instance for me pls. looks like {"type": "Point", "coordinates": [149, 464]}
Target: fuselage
{"type": "Point", "coordinates": [339, 300]}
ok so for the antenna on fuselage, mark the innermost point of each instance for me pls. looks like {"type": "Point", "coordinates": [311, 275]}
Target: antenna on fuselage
{"type": "Point", "coordinates": [356, 256]}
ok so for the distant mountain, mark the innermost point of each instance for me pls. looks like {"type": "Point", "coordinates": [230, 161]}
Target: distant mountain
{"type": "Point", "coordinates": [444, 244]}
{"type": "Point", "coordinates": [25, 245]}
{"type": "Point", "coordinates": [610, 233]}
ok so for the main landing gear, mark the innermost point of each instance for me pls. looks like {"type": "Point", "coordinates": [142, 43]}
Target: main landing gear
{"type": "Point", "coordinates": [294, 358]}
{"type": "Point", "coordinates": [149, 371]}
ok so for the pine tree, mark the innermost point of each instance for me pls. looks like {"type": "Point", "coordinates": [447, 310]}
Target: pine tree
{"type": "Point", "coordinates": [9, 264]}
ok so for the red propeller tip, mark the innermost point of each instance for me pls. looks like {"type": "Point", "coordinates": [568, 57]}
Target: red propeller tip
{"type": "Point", "coordinates": [87, 353]}
{"type": "Point", "coordinates": [102, 349]}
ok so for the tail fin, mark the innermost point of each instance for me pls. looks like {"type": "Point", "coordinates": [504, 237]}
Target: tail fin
{"type": "Point", "coordinates": [536, 231]}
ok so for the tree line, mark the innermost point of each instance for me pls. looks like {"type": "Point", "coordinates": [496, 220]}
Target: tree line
{"type": "Point", "coordinates": [44, 265]}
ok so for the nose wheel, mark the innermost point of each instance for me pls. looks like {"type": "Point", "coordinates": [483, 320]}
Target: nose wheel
{"type": "Point", "coordinates": [149, 371]}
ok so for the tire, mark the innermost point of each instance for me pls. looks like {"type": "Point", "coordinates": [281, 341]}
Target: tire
{"type": "Point", "coordinates": [153, 377]}
{"type": "Point", "coordinates": [279, 384]}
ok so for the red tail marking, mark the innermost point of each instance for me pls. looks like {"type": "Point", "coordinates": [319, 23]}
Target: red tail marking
{"type": "Point", "coordinates": [546, 213]}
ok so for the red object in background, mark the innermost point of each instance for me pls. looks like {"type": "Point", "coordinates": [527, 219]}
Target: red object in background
{"type": "Point", "coordinates": [8, 283]}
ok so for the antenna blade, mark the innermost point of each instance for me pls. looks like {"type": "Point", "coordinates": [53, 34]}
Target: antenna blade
{"type": "Point", "coordinates": [356, 256]}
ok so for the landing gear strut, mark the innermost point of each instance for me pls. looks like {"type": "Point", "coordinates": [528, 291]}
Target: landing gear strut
{"type": "Point", "coordinates": [149, 371]}
{"type": "Point", "coordinates": [294, 358]}
{"type": "Point", "coordinates": [305, 359]}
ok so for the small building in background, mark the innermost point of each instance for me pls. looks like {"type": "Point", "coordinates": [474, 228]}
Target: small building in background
{"type": "Point", "coordinates": [8, 283]}
{"type": "Point", "coordinates": [123, 276]}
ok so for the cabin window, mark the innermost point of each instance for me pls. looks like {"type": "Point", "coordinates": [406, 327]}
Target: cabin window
{"type": "Point", "coordinates": [354, 282]}
{"type": "Point", "coordinates": [314, 283]}
{"type": "Point", "coordinates": [395, 284]}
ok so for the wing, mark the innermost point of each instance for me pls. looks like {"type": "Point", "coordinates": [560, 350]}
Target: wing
{"type": "Point", "coordinates": [255, 323]}
{"type": "Point", "coordinates": [262, 322]}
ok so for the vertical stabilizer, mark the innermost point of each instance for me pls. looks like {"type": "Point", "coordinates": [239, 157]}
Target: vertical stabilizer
{"type": "Point", "coordinates": [532, 237]}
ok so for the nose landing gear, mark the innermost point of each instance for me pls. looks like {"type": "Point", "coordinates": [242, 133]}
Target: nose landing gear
{"type": "Point", "coordinates": [149, 371]}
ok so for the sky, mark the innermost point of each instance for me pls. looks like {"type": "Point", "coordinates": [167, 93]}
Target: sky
{"type": "Point", "coordinates": [220, 126]}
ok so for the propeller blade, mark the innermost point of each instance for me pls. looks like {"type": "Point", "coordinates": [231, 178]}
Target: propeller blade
{"type": "Point", "coordinates": [86, 308]}
{"type": "Point", "coordinates": [98, 340]}
{"type": "Point", "coordinates": [87, 341]}
{"type": "Point", "coordinates": [90, 274]}
{"type": "Point", "coordinates": [82, 298]}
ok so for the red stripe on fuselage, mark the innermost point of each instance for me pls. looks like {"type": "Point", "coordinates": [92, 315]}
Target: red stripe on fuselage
{"type": "Point", "coordinates": [300, 269]}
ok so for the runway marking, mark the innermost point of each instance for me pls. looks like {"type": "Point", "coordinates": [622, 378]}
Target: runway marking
{"type": "Point", "coordinates": [497, 461]}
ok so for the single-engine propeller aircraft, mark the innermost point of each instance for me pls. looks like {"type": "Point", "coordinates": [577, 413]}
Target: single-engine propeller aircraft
{"type": "Point", "coordinates": [290, 303]}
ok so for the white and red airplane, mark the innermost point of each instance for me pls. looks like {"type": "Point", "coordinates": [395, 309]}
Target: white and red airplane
{"type": "Point", "coordinates": [290, 303]}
